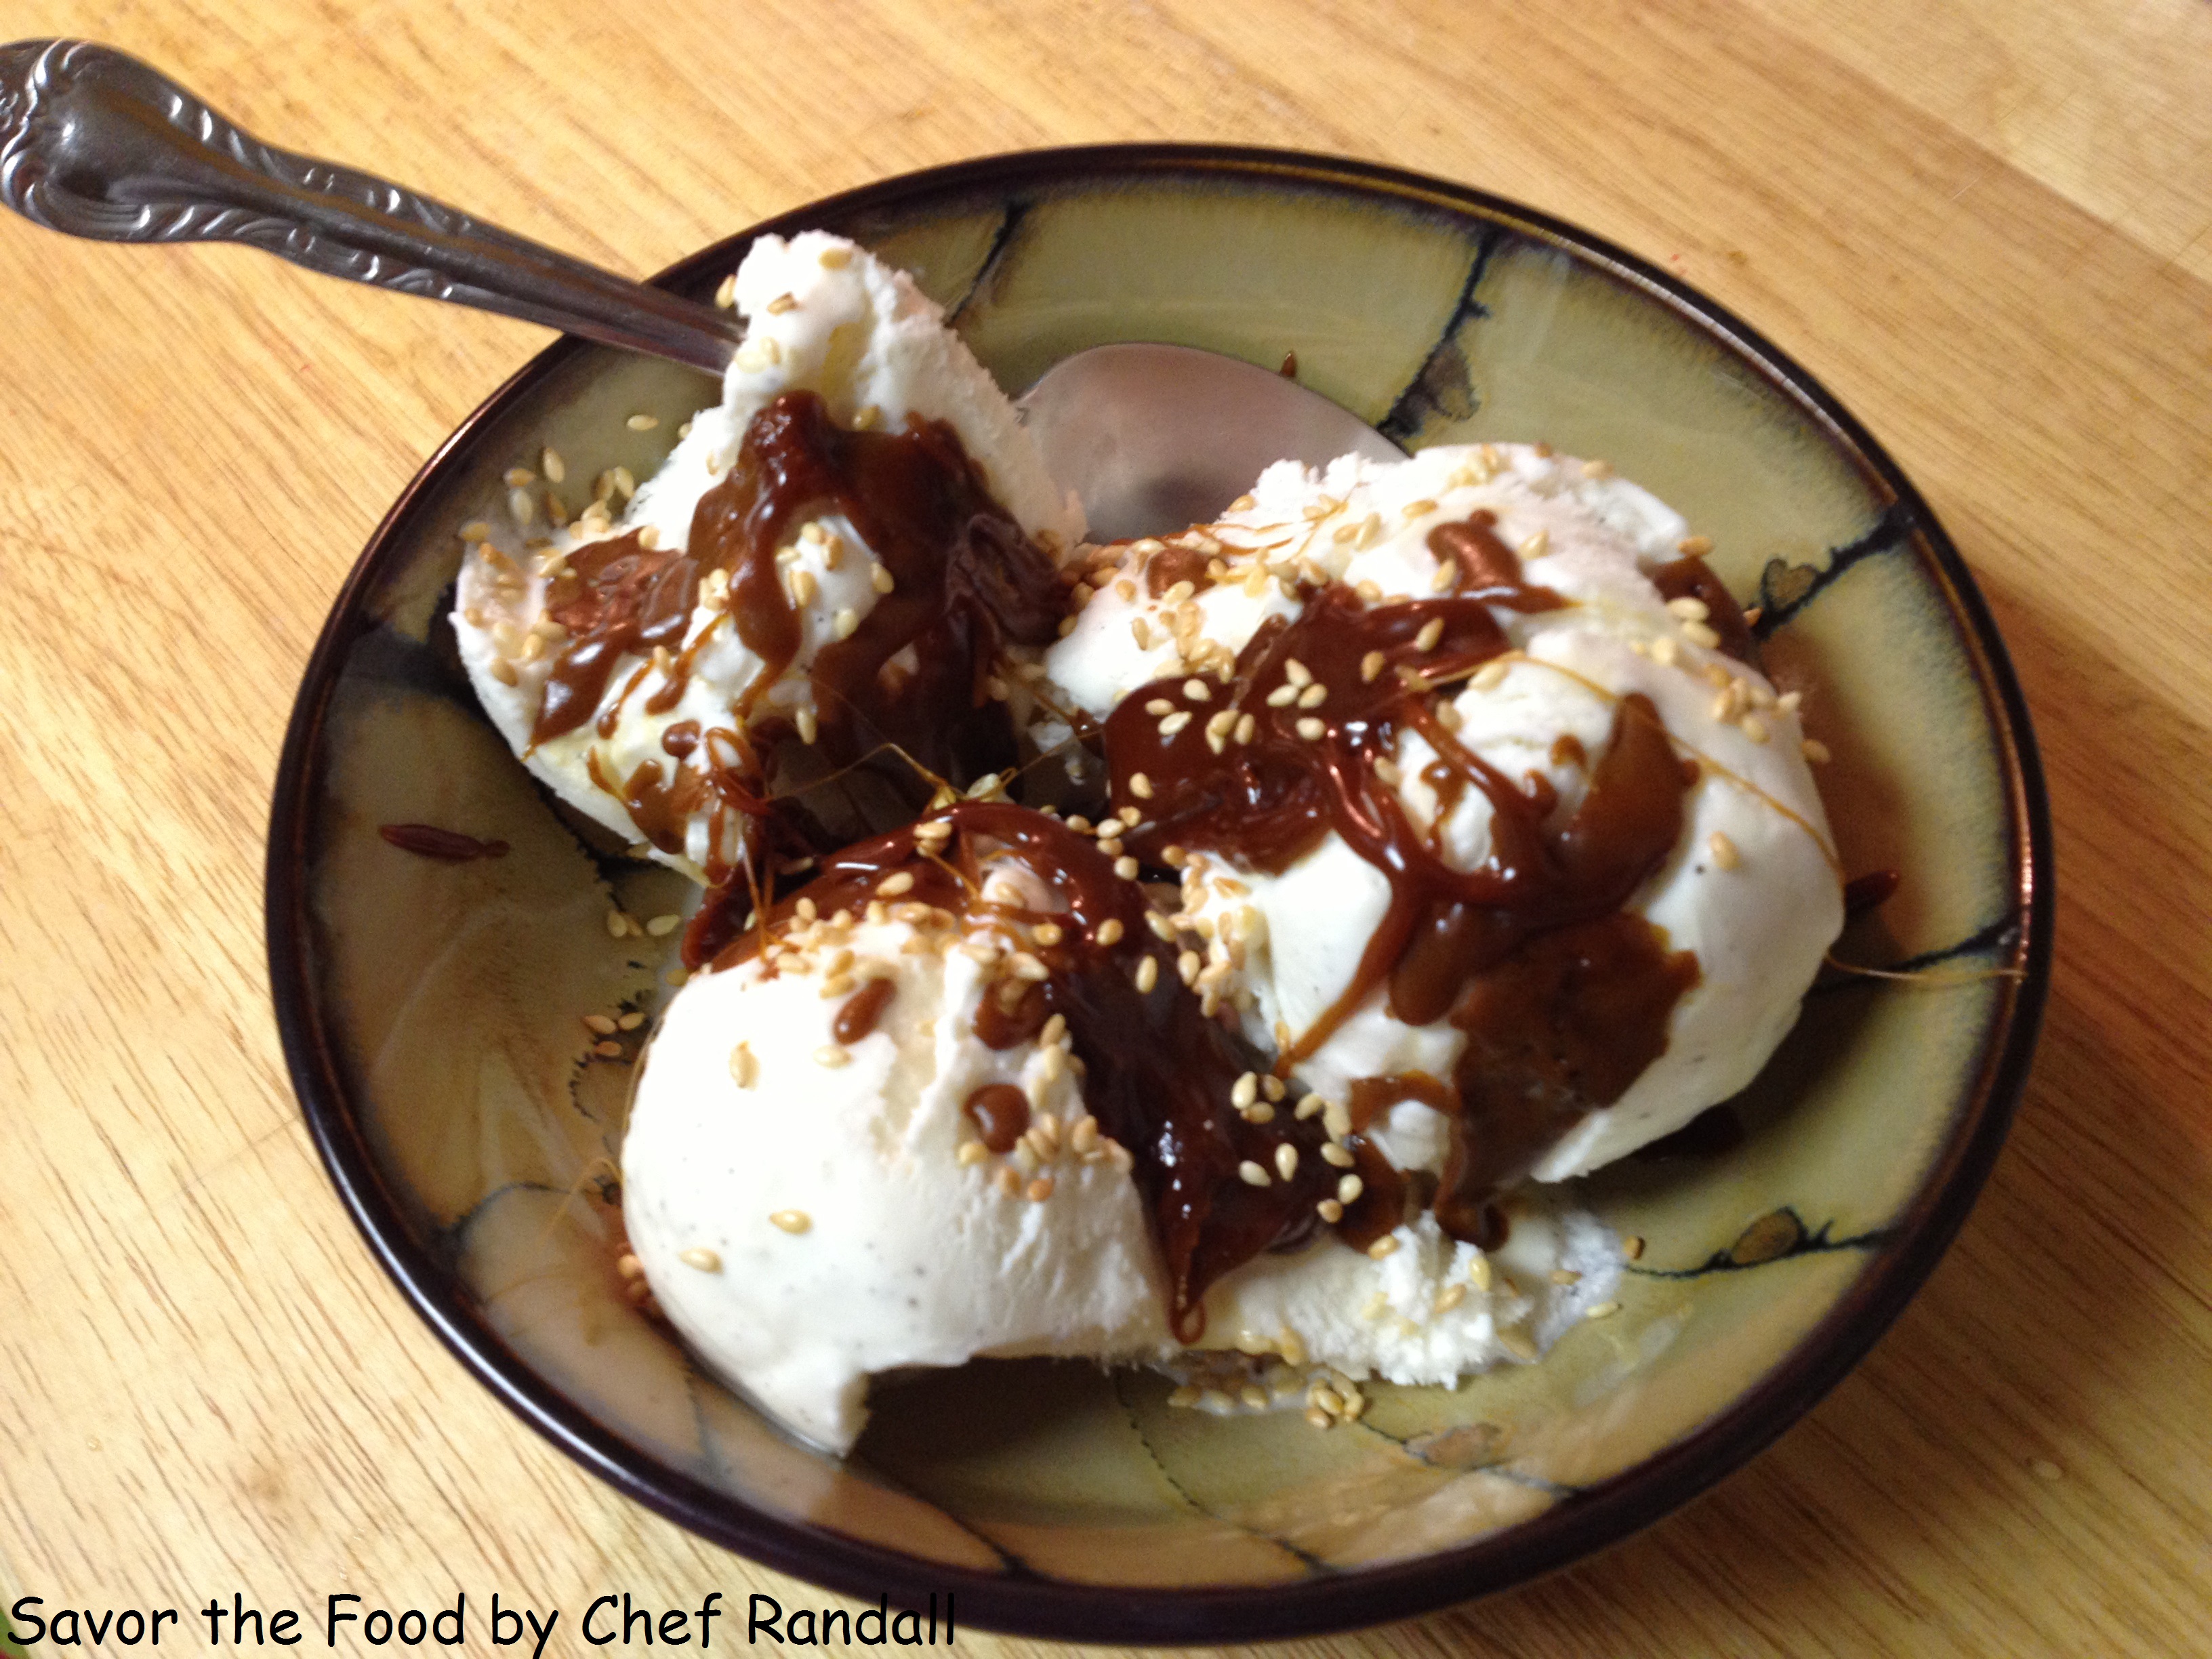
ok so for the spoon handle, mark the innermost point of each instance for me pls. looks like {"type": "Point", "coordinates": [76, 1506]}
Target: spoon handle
{"type": "Point", "coordinates": [96, 143]}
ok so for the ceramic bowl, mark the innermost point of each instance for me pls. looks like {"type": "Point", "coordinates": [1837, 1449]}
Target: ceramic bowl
{"type": "Point", "coordinates": [430, 1010]}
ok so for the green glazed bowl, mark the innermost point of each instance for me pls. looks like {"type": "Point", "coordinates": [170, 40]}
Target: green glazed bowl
{"type": "Point", "coordinates": [430, 1011]}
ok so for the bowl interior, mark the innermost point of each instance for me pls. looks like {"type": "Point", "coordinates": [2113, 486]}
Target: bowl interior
{"type": "Point", "coordinates": [432, 1010]}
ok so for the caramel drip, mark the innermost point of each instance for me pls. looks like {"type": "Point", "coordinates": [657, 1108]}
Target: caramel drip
{"type": "Point", "coordinates": [1564, 997]}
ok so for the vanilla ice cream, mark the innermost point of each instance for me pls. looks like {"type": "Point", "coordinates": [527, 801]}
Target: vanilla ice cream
{"type": "Point", "coordinates": [1745, 893]}
{"type": "Point", "coordinates": [649, 667]}
{"type": "Point", "coordinates": [1497, 856]}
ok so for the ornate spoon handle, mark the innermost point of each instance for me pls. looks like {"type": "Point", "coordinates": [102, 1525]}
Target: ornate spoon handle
{"type": "Point", "coordinates": [98, 144]}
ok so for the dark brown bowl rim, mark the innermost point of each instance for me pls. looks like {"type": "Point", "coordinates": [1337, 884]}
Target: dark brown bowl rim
{"type": "Point", "coordinates": [1020, 1602]}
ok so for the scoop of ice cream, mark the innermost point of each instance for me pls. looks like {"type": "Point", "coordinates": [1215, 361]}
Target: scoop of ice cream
{"type": "Point", "coordinates": [858, 1145]}
{"type": "Point", "coordinates": [645, 667]}
{"type": "Point", "coordinates": [802, 1200]}
{"type": "Point", "coordinates": [1494, 774]}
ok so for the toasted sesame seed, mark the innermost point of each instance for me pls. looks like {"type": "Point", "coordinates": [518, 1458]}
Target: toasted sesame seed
{"type": "Point", "coordinates": [1386, 1245]}
{"type": "Point", "coordinates": [1320, 1419]}
{"type": "Point", "coordinates": [520, 507]}
{"type": "Point", "coordinates": [1187, 966]}
{"type": "Point", "coordinates": [744, 1066]}
{"type": "Point", "coordinates": [1126, 868]}
{"type": "Point", "coordinates": [1814, 750]}
{"type": "Point", "coordinates": [1312, 728]}
{"type": "Point", "coordinates": [1387, 771]}
{"type": "Point", "coordinates": [1690, 609]}
{"type": "Point", "coordinates": [630, 1022]}
{"type": "Point", "coordinates": [706, 1260]}
{"type": "Point", "coordinates": [1753, 727]}
{"type": "Point", "coordinates": [1632, 1247]}
{"type": "Point", "coordinates": [1039, 1189]}
{"type": "Point", "coordinates": [1246, 725]}
{"type": "Point", "coordinates": [1252, 1175]}
{"type": "Point", "coordinates": [642, 423]}
{"type": "Point", "coordinates": [1348, 1190]}
{"type": "Point", "coordinates": [893, 885]}
{"type": "Point", "coordinates": [519, 476]}
{"type": "Point", "coordinates": [1110, 931]}
{"type": "Point", "coordinates": [1197, 690]}
{"type": "Point", "coordinates": [1337, 1117]}
{"type": "Point", "coordinates": [1282, 697]}
{"type": "Point", "coordinates": [1477, 1272]}
{"type": "Point", "coordinates": [1314, 695]}
{"type": "Point", "coordinates": [607, 1050]}
{"type": "Point", "coordinates": [1602, 1310]}
{"type": "Point", "coordinates": [1140, 786]}
{"type": "Point", "coordinates": [792, 1221]}
{"type": "Point", "coordinates": [1695, 547]}
{"type": "Point", "coordinates": [1441, 579]}
{"type": "Point", "coordinates": [1565, 1276]}
{"type": "Point", "coordinates": [810, 726]}
{"type": "Point", "coordinates": [1431, 631]}
{"type": "Point", "coordinates": [832, 1055]}
{"type": "Point", "coordinates": [847, 621]}
{"type": "Point", "coordinates": [1175, 723]}
{"type": "Point", "coordinates": [1722, 850]}
{"type": "Point", "coordinates": [1309, 1106]}
{"type": "Point", "coordinates": [599, 1024]}
{"type": "Point", "coordinates": [1245, 1090]}
{"type": "Point", "coordinates": [617, 925]}
{"type": "Point", "coordinates": [1330, 1211]}
{"type": "Point", "coordinates": [1148, 972]}
{"type": "Point", "coordinates": [1419, 508]}
{"type": "Point", "coordinates": [1700, 634]}
{"type": "Point", "coordinates": [1023, 965]}
{"type": "Point", "coordinates": [726, 294]}
{"type": "Point", "coordinates": [1517, 1343]}
{"type": "Point", "coordinates": [1665, 651]}
{"type": "Point", "coordinates": [1286, 1159]}
{"type": "Point", "coordinates": [1450, 1297]}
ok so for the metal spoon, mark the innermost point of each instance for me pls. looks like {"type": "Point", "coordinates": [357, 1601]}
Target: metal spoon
{"type": "Point", "coordinates": [95, 144]}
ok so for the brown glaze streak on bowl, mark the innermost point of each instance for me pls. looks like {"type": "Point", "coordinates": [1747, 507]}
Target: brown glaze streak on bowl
{"type": "Point", "coordinates": [1897, 1255]}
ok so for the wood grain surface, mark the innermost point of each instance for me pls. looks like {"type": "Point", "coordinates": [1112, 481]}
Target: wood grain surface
{"type": "Point", "coordinates": [1985, 224]}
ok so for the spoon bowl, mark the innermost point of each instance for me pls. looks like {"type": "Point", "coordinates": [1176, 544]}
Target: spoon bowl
{"type": "Point", "coordinates": [1156, 437]}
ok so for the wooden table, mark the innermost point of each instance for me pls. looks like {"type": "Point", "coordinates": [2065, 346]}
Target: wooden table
{"type": "Point", "coordinates": [1987, 224]}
